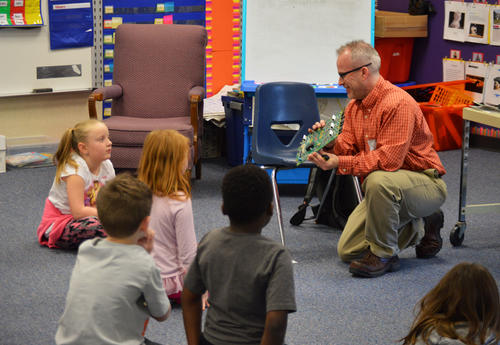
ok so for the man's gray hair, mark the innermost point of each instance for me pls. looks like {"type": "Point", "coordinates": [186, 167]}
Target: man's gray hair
{"type": "Point", "coordinates": [362, 53]}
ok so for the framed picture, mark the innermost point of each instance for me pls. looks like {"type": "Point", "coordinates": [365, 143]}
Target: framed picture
{"type": "Point", "coordinates": [455, 53]}
{"type": "Point", "coordinates": [498, 58]}
{"type": "Point", "coordinates": [477, 57]}
{"type": "Point", "coordinates": [480, 2]}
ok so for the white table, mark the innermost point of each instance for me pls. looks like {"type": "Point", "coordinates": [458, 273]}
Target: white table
{"type": "Point", "coordinates": [490, 118]}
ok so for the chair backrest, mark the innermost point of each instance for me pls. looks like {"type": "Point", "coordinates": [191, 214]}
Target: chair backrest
{"type": "Point", "coordinates": [281, 103]}
{"type": "Point", "coordinates": [156, 66]}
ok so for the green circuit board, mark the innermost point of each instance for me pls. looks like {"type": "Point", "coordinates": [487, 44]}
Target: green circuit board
{"type": "Point", "coordinates": [315, 141]}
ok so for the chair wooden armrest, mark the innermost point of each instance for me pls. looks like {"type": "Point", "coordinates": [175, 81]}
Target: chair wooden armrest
{"type": "Point", "coordinates": [113, 91]}
{"type": "Point", "coordinates": [196, 111]}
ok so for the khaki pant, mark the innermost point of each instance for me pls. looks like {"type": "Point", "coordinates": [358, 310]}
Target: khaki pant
{"type": "Point", "coordinates": [390, 217]}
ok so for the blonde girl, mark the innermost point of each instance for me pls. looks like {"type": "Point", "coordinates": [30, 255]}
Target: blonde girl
{"type": "Point", "coordinates": [463, 308]}
{"type": "Point", "coordinates": [83, 166]}
{"type": "Point", "coordinates": [163, 168]}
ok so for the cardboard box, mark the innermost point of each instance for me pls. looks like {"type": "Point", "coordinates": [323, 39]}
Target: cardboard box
{"type": "Point", "coordinates": [396, 24]}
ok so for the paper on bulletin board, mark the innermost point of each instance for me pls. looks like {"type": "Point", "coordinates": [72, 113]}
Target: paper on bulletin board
{"type": "Point", "coordinates": [466, 22]}
{"type": "Point", "coordinates": [454, 21]}
{"type": "Point", "coordinates": [495, 25]}
{"type": "Point", "coordinates": [476, 71]}
{"type": "Point", "coordinates": [476, 23]}
{"type": "Point", "coordinates": [453, 69]}
{"type": "Point", "coordinates": [492, 86]}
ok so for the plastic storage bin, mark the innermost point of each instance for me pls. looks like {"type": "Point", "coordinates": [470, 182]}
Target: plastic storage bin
{"type": "Point", "coordinates": [446, 125]}
{"type": "Point", "coordinates": [442, 105]}
{"type": "Point", "coordinates": [395, 53]}
{"type": "Point", "coordinates": [233, 108]}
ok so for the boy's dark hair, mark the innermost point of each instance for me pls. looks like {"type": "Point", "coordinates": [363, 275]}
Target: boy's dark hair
{"type": "Point", "coordinates": [122, 204]}
{"type": "Point", "coordinates": [246, 193]}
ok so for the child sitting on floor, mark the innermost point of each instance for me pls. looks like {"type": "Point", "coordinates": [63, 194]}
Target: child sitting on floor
{"type": "Point", "coordinates": [83, 166]}
{"type": "Point", "coordinates": [115, 285]}
{"type": "Point", "coordinates": [249, 277]}
{"type": "Point", "coordinates": [462, 309]}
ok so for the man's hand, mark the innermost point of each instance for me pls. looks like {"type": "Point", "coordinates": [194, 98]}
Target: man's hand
{"type": "Point", "coordinates": [317, 125]}
{"type": "Point", "coordinates": [318, 158]}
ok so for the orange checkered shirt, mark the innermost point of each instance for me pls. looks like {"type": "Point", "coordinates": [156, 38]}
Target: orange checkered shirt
{"type": "Point", "coordinates": [385, 131]}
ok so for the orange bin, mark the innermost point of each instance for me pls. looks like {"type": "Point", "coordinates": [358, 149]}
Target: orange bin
{"type": "Point", "coordinates": [442, 107]}
{"type": "Point", "coordinates": [395, 54]}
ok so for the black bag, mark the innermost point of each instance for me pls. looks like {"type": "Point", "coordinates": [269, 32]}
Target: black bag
{"type": "Point", "coordinates": [338, 197]}
{"type": "Point", "coordinates": [420, 7]}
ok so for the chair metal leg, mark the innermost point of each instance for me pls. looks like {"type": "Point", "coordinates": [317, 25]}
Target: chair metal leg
{"type": "Point", "coordinates": [325, 194]}
{"type": "Point", "coordinates": [357, 186]}
{"type": "Point", "coordinates": [198, 169]}
{"type": "Point", "coordinates": [277, 204]}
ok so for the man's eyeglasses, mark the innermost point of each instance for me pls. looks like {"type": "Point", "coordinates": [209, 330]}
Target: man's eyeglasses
{"type": "Point", "coordinates": [342, 75]}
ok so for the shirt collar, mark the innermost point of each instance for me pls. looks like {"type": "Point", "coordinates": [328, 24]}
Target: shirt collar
{"type": "Point", "coordinates": [373, 96]}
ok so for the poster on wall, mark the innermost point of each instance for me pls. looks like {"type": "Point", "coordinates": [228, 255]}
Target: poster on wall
{"type": "Point", "coordinates": [71, 24]}
{"type": "Point", "coordinates": [476, 23]}
{"type": "Point", "coordinates": [467, 22]}
{"type": "Point", "coordinates": [476, 71]}
{"type": "Point", "coordinates": [454, 21]}
{"type": "Point", "coordinates": [453, 69]}
{"type": "Point", "coordinates": [492, 86]}
{"type": "Point", "coordinates": [495, 26]}
{"type": "Point", "coordinates": [20, 13]}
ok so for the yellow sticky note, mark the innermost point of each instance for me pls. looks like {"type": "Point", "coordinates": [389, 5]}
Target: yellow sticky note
{"type": "Point", "coordinates": [108, 82]}
{"type": "Point", "coordinates": [107, 111]}
{"type": "Point", "coordinates": [116, 21]}
{"type": "Point", "coordinates": [158, 20]}
{"type": "Point", "coordinates": [108, 53]}
{"type": "Point", "coordinates": [160, 7]}
{"type": "Point", "coordinates": [108, 9]}
{"type": "Point", "coordinates": [108, 39]}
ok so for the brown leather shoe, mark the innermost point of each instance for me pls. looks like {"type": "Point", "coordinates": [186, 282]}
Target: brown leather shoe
{"type": "Point", "coordinates": [372, 266]}
{"type": "Point", "coordinates": [432, 242]}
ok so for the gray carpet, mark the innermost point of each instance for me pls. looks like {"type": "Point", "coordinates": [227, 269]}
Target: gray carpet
{"type": "Point", "coordinates": [333, 307]}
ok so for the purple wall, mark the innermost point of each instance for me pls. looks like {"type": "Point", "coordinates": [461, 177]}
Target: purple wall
{"type": "Point", "coordinates": [426, 66]}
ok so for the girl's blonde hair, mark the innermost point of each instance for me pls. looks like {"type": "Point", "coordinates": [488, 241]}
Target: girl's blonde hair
{"type": "Point", "coordinates": [69, 143]}
{"type": "Point", "coordinates": [162, 163]}
{"type": "Point", "coordinates": [467, 293]}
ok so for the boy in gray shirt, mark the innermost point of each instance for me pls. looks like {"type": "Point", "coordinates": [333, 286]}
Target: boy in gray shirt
{"type": "Point", "coordinates": [249, 277]}
{"type": "Point", "coordinates": [115, 285]}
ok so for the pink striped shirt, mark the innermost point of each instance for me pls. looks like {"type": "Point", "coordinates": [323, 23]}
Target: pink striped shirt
{"type": "Point", "coordinates": [385, 131]}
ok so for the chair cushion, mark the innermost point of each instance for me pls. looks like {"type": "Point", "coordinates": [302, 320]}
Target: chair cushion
{"type": "Point", "coordinates": [132, 131]}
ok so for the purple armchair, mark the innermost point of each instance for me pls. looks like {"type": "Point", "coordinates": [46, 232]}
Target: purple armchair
{"type": "Point", "coordinates": [158, 78]}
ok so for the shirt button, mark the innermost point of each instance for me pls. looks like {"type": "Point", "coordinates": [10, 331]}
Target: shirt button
{"type": "Point", "coordinates": [344, 170]}
{"type": "Point", "coordinates": [366, 135]}
{"type": "Point", "coordinates": [366, 117]}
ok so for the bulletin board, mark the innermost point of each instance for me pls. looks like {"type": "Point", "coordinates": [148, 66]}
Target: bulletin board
{"type": "Point", "coordinates": [26, 54]}
{"type": "Point", "coordinates": [296, 40]}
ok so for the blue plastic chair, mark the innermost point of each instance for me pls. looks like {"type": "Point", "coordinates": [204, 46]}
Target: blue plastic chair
{"type": "Point", "coordinates": [280, 103]}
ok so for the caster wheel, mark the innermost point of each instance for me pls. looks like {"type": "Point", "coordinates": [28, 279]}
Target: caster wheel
{"type": "Point", "coordinates": [455, 238]}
